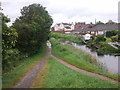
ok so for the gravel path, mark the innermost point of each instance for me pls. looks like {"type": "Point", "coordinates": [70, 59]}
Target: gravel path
{"type": "Point", "coordinates": [84, 71]}
{"type": "Point", "coordinates": [27, 81]}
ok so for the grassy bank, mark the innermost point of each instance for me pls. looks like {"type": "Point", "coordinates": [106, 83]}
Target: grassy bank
{"type": "Point", "coordinates": [72, 38]}
{"type": "Point", "coordinates": [57, 75]}
{"type": "Point", "coordinates": [11, 78]}
{"type": "Point", "coordinates": [96, 43]}
{"type": "Point", "coordinates": [78, 58]}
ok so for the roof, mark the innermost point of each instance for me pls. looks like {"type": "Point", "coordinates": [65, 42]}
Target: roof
{"type": "Point", "coordinates": [98, 28]}
{"type": "Point", "coordinates": [66, 24]}
{"type": "Point", "coordinates": [67, 27]}
{"type": "Point", "coordinates": [58, 24]}
{"type": "Point", "coordinates": [106, 27]}
{"type": "Point", "coordinates": [63, 24]}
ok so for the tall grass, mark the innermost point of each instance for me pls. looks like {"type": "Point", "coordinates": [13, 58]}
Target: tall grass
{"type": "Point", "coordinates": [78, 58]}
{"type": "Point", "coordinates": [59, 76]}
{"type": "Point", "coordinates": [11, 78]}
{"type": "Point", "coordinates": [72, 38]}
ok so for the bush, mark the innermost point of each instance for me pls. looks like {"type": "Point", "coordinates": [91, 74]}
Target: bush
{"type": "Point", "coordinates": [10, 59]}
{"type": "Point", "coordinates": [100, 38]}
{"type": "Point", "coordinates": [111, 33]}
{"type": "Point", "coordinates": [93, 37]}
{"type": "Point", "coordinates": [107, 49]}
{"type": "Point", "coordinates": [114, 38]}
{"type": "Point", "coordinates": [71, 38]}
{"type": "Point", "coordinates": [10, 55]}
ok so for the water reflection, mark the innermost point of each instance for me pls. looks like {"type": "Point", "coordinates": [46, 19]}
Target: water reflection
{"type": "Point", "coordinates": [111, 62]}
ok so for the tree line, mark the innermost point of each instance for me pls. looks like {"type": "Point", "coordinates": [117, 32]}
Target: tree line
{"type": "Point", "coordinates": [26, 36]}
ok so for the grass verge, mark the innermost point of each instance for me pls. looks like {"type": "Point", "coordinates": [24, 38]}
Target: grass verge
{"type": "Point", "coordinates": [11, 78]}
{"type": "Point", "coordinates": [40, 77]}
{"type": "Point", "coordinates": [78, 58]}
{"type": "Point", "coordinates": [58, 75]}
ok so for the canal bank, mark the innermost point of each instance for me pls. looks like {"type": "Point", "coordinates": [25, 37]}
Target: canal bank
{"type": "Point", "coordinates": [109, 63]}
{"type": "Point", "coordinates": [78, 58]}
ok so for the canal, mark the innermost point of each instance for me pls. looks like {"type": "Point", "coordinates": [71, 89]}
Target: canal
{"type": "Point", "coordinates": [108, 62]}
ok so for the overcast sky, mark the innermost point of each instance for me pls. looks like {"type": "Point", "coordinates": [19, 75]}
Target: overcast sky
{"type": "Point", "coordinates": [68, 10]}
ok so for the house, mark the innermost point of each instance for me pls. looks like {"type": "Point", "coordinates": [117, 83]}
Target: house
{"type": "Point", "coordinates": [80, 25]}
{"type": "Point", "coordinates": [63, 27]}
{"type": "Point", "coordinates": [95, 30]}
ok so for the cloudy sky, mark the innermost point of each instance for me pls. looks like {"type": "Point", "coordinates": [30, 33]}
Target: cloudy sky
{"type": "Point", "coordinates": [68, 10]}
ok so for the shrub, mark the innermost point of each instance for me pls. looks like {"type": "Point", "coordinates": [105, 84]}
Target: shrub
{"type": "Point", "coordinates": [100, 38]}
{"type": "Point", "coordinates": [71, 38]}
{"type": "Point", "coordinates": [10, 59]}
{"type": "Point", "coordinates": [10, 55]}
{"type": "Point", "coordinates": [111, 33]}
{"type": "Point", "coordinates": [114, 38]}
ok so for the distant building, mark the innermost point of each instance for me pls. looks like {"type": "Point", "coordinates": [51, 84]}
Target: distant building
{"type": "Point", "coordinates": [63, 27]}
{"type": "Point", "coordinates": [95, 30]}
{"type": "Point", "coordinates": [81, 28]}
{"type": "Point", "coordinates": [80, 25]}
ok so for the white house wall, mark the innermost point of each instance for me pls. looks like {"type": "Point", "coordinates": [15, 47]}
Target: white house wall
{"type": "Point", "coordinates": [67, 29]}
{"type": "Point", "coordinates": [72, 26]}
{"type": "Point", "coordinates": [100, 32]}
{"type": "Point", "coordinates": [56, 27]}
{"type": "Point", "coordinates": [61, 26]}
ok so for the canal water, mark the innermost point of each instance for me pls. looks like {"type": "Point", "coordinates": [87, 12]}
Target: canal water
{"type": "Point", "coordinates": [108, 62]}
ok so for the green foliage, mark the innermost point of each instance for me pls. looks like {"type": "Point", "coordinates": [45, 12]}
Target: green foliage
{"type": "Point", "coordinates": [59, 76]}
{"type": "Point", "coordinates": [107, 49]}
{"type": "Point", "coordinates": [114, 38]}
{"type": "Point", "coordinates": [10, 55]}
{"type": "Point", "coordinates": [118, 35]}
{"type": "Point", "coordinates": [100, 38]}
{"type": "Point", "coordinates": [9, 35]}
{"type": "Point", "coordinates": [9, 79]}
{"type": "Point", "coordinates": [111, 33]}
{"type": "Point", "coordinates": [78, 58]}
{"type": "Point", "coordinates": [27, 35]}
{"type": "Point", "coordinates": [95, 41]}
{"type": "Point", "coordinates": [71, 38]}
{"type": "Point", "coordinates": [100, 44]}
{"type": "Point", "coordinates": [33, 27]}
{"type": "Point", "coordinates": [10, 59]}
{"type": "Point", "coordinates": [99, 23]}
{"type": "Point", "coordinates": [93, 37]}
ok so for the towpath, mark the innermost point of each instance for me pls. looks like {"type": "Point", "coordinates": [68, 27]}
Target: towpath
{"type": "Point", "coordinates": [28, 79]}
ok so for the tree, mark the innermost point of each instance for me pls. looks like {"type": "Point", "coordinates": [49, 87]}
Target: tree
{"type": "Point", "coordinates": [100, 38]}
{"type": "Point", "coordinates": [99, 23]}
{"type": "Point", "coordinates": [33, 27]}
{"type": "Point", "coordinates": [9, 53]}
{"type": "Point", "coordinates": [110, 22]}
{"type": "Point", "coordinates": [111, 33]}
{"type": "Point", "coordinates": [114, 38]}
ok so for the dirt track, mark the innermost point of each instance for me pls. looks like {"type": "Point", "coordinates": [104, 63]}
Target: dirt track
{"type": "Point", "coordinates": [27, 81]}
{"type": "Point", "coordinates": [83, 71]}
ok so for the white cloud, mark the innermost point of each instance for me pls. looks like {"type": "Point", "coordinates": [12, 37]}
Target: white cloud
{"type": "Point", "coordinates": [68, 10]}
